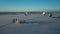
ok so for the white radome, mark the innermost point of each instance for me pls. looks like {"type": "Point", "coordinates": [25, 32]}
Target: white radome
{"type": "Point", "coordinates": [43, 13]}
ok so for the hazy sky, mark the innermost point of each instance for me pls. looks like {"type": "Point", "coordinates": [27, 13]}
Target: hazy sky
{"type": "Point", "coordinates": [29, 5]}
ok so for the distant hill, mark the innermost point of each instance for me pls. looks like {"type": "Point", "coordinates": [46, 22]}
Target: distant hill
{"type": "Point", "coordinates": [25, 12]}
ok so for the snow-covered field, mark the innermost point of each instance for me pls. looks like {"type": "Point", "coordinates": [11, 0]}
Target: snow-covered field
{"type": "Point", "coordinates": [35, 24]}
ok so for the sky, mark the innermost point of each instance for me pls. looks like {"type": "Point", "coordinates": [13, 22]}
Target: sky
{"type": "Point", "coordinates": [29, 5]}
